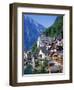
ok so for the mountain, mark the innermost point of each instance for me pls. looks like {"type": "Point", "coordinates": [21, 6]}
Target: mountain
{"type": "Point", "coordinates": [56, 29]}
{"type": "Point", "coordinates": [32, 30]}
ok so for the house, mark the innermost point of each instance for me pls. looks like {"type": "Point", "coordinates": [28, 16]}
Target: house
{"type": "Point", "coordinates": [55, 67]}
{"type": "Point", "coordinates": [25, 55]}
{"type": "Point", "coordinates": [41, 54]}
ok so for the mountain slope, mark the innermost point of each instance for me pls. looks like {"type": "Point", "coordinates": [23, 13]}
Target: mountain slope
{"type": "Point", "coordinates": [56, 29]}
{"type": "Point", "coordinates": [32, 30]}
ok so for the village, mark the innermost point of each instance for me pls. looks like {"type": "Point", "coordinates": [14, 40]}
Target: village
{"type": "Point", "coordinates": [47, 56]}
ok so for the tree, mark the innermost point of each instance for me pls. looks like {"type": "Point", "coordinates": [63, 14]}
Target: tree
{"type": "Point", "coordinates": [56, 28]}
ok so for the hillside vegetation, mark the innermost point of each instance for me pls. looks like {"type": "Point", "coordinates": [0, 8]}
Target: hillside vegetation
{"type": "Point", "coordinates": [56, 29]}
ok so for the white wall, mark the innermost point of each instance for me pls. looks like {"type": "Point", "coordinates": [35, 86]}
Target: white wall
{"type": "Point", "coordinates": [4, 46]}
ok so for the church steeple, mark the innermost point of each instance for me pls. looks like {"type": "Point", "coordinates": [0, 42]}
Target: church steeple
{"type": "Point", "coordinates": [38, 42]}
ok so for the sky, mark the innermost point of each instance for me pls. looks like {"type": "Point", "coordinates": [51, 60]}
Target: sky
{"type": "Point", "coordinates": [45, 20]}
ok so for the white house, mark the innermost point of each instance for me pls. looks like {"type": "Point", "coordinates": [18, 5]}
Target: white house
{"type": "Point", "coordinates": [25, 55]}
{"type": "Point", "coordinates": [41, 54]}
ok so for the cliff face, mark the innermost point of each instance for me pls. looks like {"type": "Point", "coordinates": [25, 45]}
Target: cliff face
{"type": "Point", "coordinates": [32, 30]}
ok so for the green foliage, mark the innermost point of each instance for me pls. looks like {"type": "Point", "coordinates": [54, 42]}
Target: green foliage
{"type": "Point", "coordinates": [56, 28]}
{"type": "Point", "coordinates": [34, 48]}
{"type": "Point", "coordinates": [41, 66]}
